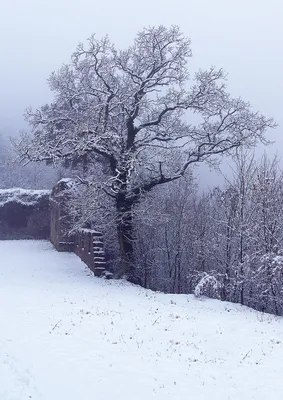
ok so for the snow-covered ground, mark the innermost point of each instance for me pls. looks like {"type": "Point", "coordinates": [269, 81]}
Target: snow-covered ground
{"type": "Point", "coordinates": [67, 335]}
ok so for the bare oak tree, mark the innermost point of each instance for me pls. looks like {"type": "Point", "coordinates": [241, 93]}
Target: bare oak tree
{"type": "Point", "coordinates": [130, 109]}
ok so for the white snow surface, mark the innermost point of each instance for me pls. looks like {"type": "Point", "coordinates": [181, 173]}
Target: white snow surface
{"type": "Point", "coordinates": [68, 335]}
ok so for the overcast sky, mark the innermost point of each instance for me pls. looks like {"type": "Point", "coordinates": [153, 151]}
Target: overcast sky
{"type": "Point", "coordinates": [245, 37]}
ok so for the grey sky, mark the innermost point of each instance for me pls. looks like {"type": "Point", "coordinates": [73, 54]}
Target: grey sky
{"type": "Point", "coordinates": [245, 37]}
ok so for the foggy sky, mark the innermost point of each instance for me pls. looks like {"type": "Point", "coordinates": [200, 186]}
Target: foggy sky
{"type": "Point", "coordinates": [245, 37]}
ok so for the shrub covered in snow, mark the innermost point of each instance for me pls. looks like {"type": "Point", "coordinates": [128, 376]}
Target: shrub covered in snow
{"type": "Point", "coordinates": [208, 285]}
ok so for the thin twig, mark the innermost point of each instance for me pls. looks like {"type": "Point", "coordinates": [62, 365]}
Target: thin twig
{"type": "Point", "coordinates": [56, 325]}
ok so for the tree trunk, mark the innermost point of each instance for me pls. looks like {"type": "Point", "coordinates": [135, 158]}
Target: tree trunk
{"type": "Point", "coordinates": [124, 223]}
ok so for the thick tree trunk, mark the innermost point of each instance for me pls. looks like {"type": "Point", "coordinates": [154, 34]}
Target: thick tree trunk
{"type": "Point", "coordinates": [125, 237]}
{"type": "Point", "coordinates": [125, 231]}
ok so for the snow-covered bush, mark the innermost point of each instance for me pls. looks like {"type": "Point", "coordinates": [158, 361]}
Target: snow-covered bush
{"type": "Point", "coordinates": [208, 285]}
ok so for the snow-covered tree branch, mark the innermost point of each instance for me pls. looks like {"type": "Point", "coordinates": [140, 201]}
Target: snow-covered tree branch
{"type": "Point", "coordinates": [130, 109]}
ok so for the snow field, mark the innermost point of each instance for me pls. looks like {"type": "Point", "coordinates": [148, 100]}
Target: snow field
{"type": "Point", "coordinates": [68, 335]}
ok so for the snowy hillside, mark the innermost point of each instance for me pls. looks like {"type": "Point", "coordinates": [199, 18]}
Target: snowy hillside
{"type": "Point", "coordinates": [67, 335]}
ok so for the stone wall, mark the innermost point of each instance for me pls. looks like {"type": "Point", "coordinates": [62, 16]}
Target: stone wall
{"type": "Point", "coordinates": [41, 214]}
{"type": "Point", "coordinates": [60, 220]}
{"type": "Point", "coordinates": [24, 214]}
{"type": "Point", "coordinates": [86, 243]}
{"type": "Point", "coordinates": [89, 247]}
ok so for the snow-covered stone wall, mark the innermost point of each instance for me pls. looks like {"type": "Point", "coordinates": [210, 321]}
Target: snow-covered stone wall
{"type": "Point", "coordinates": [24, 214]}
{"type": "Point", "coordinates": [61, 222]}
{"type": "Point", "coordinates": [86, 243]}
{"type": "Point", "coordinates": [89, 247]}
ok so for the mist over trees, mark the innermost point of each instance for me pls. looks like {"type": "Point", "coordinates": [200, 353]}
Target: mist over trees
{"type": "Point", "coordinates": [133, 123]}
{"type": "Point", "coordinates": [31, 176]}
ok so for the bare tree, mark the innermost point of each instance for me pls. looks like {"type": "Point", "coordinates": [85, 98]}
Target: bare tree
{"type": "Point", "coordinates": [129, 109]}
{"type": "Point", "coordinates": [246, 241]}
{"type": "Point", "coordinates": [166, 235]}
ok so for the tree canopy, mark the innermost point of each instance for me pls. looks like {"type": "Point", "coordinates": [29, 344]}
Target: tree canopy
{"type": "Point", "coordinates": [139, 113]}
